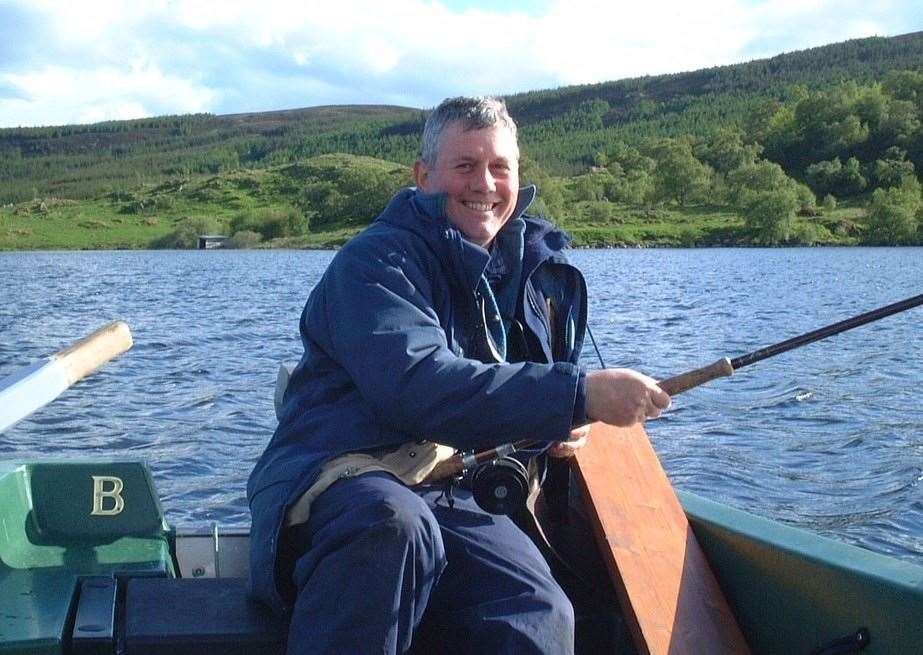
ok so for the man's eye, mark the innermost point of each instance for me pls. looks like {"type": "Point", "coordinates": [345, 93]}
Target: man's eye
{"type": "Point", "coordinates": [463, 168]}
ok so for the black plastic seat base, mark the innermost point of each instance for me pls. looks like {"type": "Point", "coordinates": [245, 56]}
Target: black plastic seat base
{"type": "Point", "coordinates": [94, 622]}
{"type": "Point", "coordinates": [197, 616]}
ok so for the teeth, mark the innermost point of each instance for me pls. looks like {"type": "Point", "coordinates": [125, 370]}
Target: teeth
{"type": "Point", "coordinates": [479, 206]}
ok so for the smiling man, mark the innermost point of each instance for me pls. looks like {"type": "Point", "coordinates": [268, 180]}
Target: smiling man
{"type": "Point", "coordinates": [477, 170]}
{"type": "Point", "coordinates": [453, 323]}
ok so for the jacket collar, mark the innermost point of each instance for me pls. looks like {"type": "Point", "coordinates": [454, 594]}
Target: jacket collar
{"type": "Point", "coordinates": [467, 260]}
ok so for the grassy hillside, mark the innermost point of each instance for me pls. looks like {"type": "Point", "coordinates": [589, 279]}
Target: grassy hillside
{"type": "Point", "coordinates": [276, 205]}
{"type": "Point", "coordinates": [562, 129]}
{"type": "Point", "coordinates": [323, 201]}
{"type": "Point", "coordinates": [819, 146]}
{"type": "Point", "coordinates": [83, 161]}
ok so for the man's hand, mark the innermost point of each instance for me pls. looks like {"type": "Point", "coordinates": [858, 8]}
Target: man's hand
{"type": "Point", "coordinates": [568, 448]}
{"type": "Point", "coordinates": [623, 397]}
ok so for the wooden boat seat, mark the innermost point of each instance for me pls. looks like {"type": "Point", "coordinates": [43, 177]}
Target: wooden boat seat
{"type": "Point", "coordinates": [670, 598]}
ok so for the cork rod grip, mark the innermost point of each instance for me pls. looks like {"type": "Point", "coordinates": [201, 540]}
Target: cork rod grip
{"type": "Point", "coordinates": [691, 379]}
{"type": "Point", "coordinates": [446, 469]}
{"type": "Point", "coordinates": [91, 352]}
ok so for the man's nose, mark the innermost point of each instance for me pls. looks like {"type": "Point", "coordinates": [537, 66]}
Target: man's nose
{"type": "Point", "coordinates": [482, 180]}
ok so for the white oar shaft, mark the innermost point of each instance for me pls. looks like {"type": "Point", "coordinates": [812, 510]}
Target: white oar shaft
{"type": "Point", "coordinates": [37, 385]}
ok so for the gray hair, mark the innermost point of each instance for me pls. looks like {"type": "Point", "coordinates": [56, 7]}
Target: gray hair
{"type": "Point", "coordinates": [474, 113]}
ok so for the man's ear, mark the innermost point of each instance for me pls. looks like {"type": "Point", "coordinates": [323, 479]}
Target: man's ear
{"type": "Point", "coordinates": [420, 175]}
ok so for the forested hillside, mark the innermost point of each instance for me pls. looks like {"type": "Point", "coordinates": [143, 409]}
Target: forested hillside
{"type": "Point", "coordinates": [818, 146]}
{"type": "Point", "coordinates": [80, 161]}
{"type": "Point", "coordinates": [565, 127]}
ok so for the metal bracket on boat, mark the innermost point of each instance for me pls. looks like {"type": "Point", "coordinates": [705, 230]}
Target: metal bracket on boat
{"type": "Point", "coordinates": [212, 554]}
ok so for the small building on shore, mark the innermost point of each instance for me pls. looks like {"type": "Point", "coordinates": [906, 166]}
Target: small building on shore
{"type": "Point", "coordinates": [210, 241]}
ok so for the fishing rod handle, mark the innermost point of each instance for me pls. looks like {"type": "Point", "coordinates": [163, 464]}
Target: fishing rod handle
{"type": "Point", "coordinates": [446, 469]}
{"type": "Point", "coordinates": [691, 379]}
{"type": "Point", "coordinates": [458, 463]}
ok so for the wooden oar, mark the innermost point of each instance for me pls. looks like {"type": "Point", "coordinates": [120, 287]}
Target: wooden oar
{"type": "Point", "coordinates": [33, 387]}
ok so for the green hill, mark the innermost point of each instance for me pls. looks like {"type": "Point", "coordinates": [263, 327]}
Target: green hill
{"type": "Point", "coordinates": [562, 129]}
{"type": "Point", "coordinates": [818, 146]}
{"type": "Point", "coordinates": [80, 161]}
{"type": "Point", "coordinates": [318, 202]}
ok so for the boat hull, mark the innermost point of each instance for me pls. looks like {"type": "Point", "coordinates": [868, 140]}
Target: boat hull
{"type": "Point", "coordinates": [792, 591]}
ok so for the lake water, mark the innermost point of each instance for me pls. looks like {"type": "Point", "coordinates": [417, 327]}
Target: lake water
{"type": "Point", "coordinates": [827, 437]}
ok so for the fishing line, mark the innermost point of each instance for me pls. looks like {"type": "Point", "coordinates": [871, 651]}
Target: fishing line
{"type": "Point", "coordinates": [595, 347]}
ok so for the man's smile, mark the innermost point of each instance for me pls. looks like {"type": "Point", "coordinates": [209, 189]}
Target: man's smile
{"type": "Point", "coordinates": [479, 206]}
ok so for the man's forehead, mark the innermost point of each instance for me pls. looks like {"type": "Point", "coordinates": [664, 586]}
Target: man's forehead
{"type": "Point", "coordinates": [459, 141]}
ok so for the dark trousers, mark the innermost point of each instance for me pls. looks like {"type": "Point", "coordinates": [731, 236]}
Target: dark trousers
{"type": "Point", "coordinates": [380, 568]}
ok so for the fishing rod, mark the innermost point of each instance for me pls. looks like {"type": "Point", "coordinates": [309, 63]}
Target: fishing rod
{"type": "Point", "coordinates": [461, 462]}
{"type": "Point", "coordinates": [725, 367]}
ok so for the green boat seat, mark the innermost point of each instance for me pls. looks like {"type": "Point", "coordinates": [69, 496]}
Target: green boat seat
{"type": "Point", "coordinates": [88, 518]}
{"type": "Point", "coordinates": [63, 522]}
{"type": "Point", "coordinates": [195, 616]}
{"type": "Point", "coordinates": [92, 502]}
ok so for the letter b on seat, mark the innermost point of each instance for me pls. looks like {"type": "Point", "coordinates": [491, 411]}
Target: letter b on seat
{"type": "Point", "coordinates": [107, 487]}
{"type": "Point", "coordinates": [92, 502]}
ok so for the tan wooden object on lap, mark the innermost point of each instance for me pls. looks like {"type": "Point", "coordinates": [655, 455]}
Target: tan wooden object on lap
{"type": "Point", "coordinates": [668, 594]}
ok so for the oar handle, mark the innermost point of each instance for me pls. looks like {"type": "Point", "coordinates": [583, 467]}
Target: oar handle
{"type": "Point", "coordinates": [28, 389]}
{"type": "Point", "coordinates": [690, 379]}
{"type": "Point", "coordinates": [91, 352]}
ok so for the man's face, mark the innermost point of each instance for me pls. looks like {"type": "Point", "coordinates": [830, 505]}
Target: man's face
{"type": "Point", "coordinates": [479, 171]}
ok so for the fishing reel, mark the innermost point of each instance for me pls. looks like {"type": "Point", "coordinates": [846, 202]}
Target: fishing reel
{"type": "Point", "coordinates": [500, 486]}
{"type": "Point", "coordinates": [499, 483]}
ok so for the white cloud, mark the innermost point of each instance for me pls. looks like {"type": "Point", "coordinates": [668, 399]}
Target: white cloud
{"type": "Point", "coordinates": [786, 25]}
{"type": "Point", "coordinates": [171, 56]}
{"type": "Point", "coordinates": [66, 95]}
{"type": "Point", "coordinates": [587, 41]}
{"type": "Point", "coordinates": [87, 22]}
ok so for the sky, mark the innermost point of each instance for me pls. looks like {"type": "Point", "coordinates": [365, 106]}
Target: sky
{"type": "Point", "coordinates": [84, 61]}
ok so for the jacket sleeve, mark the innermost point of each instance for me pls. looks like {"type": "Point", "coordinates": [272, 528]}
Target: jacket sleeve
{"type": "Point", "coordinates": [384, 330]}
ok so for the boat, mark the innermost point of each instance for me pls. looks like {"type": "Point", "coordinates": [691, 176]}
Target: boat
{"type": "Point", "coordinates": [89, 565]}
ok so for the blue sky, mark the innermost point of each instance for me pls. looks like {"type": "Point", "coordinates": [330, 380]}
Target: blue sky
{"type": "Point", "coordinates": [63, 61]}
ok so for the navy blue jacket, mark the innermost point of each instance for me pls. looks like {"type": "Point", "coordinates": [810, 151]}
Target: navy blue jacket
{"type": "Point", "coordinates": [396, 350]}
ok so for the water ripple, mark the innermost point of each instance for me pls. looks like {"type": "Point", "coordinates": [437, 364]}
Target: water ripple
{"type": "Point", "coordinates": [828, 437]}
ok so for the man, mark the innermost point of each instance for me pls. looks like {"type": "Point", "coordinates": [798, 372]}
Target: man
{"type": "Point", "coordinates": [452, 323]}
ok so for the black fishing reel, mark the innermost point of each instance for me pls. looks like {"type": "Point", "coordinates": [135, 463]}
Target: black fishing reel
{"type": "Point", "coordinates": [500, 486]}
